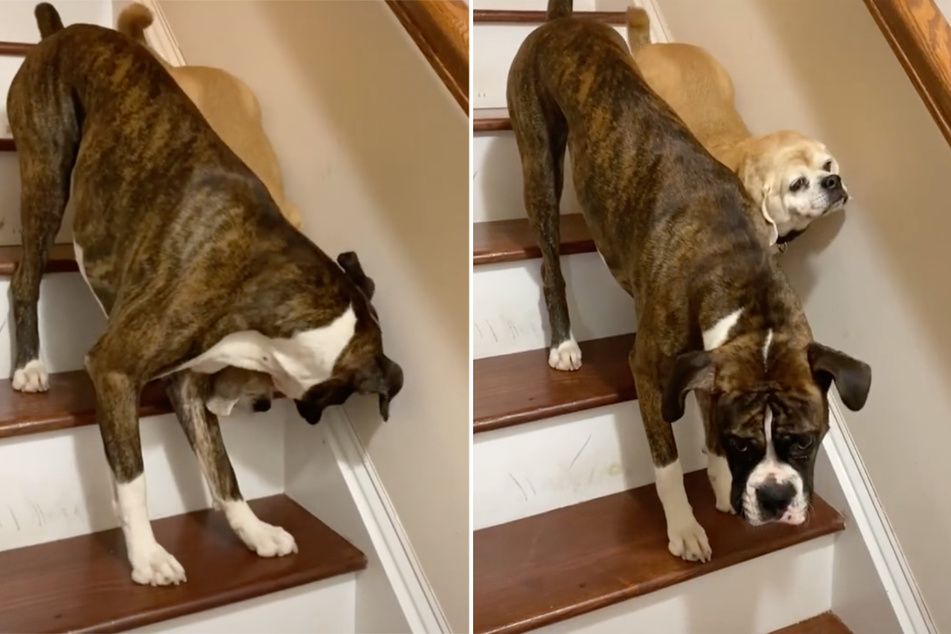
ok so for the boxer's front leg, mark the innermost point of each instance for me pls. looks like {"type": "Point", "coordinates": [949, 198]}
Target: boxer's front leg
{"type": "Point", "coordinates": [188, 392]}
{"type": "Point", "coordinates": [686, 536]}
{"type": "Point", "coordinates": [117, 396]}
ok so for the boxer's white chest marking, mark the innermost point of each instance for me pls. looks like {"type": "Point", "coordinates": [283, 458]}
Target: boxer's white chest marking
{"type": "Point", "coordinates": [82, 271]}
{"type": "Point", "coordinates": [718, 333]}
{"type": "Point", "coordinates": [295, 363]}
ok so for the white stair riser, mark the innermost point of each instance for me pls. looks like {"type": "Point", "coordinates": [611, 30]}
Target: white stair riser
{"type": "Point", "coordinates": [497, 192]}
{"type": "Point", "coordinates": [70, 322]}
{"type": "Point", "coordinates": [755, 597]}
{"type": "Point", "coordinates": [493, 48]}
{"type": "Point", "coordinates": [509, 313]}
{"type": "Point", "coordinates": [324, 607]}
{"type": "Point", "coordinates": [532, 468]}
{"type": "Point", "coordinates": [58, 485]}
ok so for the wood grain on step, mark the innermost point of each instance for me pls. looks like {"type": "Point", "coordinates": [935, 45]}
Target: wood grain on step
{"type": "Point", "coordinates": [62, 259]}
{"type": "Point", "coordinates": [70, 402]}
{"type": "Point", "coordinates": [83, 584]}
{"type": "Point", "coordinates": [920, 37]}
{"type": "Point", "coordinates": [500, 16]}
{"type": "Point", "coordinates": [826, 623]}
{"type": "Point", "coordinates": [490, 120]}
{"type": "Point", "coordinates": [521, 387]}
{"type": "Point", "coordinates": [550, 567]}
{"type": "Point", "coordinates": [512, 240]}
{"type": "Point", "coordinates": [15, 49]}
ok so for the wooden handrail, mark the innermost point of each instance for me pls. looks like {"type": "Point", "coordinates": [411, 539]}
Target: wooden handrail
{"type": "Point", "coordinates": [921, 38]}
{"type": "Point", "coordinates": [440, 29]}
{"type": "Point", "coordinates": [15, 49]}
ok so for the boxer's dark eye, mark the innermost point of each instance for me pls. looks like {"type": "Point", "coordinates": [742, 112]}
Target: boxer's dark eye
{"type": "Point", "coordinates": [798, 184]}
{"type": "Point", "coordinates": [803, 444]}
{"type": "Point", "coordinates": [827, 166]}
{"type": "Point", "coordinates": [739, 445]}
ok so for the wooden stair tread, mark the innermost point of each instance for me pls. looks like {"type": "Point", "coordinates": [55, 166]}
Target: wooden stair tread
{"type": "Point", "coordinates": [490, 120]}
{"type": "Point", "coordinates": [550, 567]}
{"type": "Point", "coordinates": [62, 259]}
{"type": "Point", "coordinates": [512, 240]}
{"type": "Point", "coordinates": [519, 388]}
{"type": "Point", "coordinates": [505, 16]}
{"type": "Point", "coordinates": [825, 623]}
{"type": "Point", "coordinates": [83, 584]}
{"type": "Point", "coordinates": [70, 402]}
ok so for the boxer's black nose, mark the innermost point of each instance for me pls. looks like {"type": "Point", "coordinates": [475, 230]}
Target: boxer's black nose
{"type": "Point", "coordinates": [774, 497]}
{"type": "Point", "coordinates": [832, 182]}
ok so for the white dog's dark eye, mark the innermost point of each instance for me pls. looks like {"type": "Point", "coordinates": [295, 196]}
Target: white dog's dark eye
{"type": "Point", "coordinates": [798, 184]}
{"type": "Point", "coordinates": [827, 166]}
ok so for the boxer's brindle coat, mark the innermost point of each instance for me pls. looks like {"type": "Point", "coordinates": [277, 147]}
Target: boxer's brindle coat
{"type": "Point", "coordinates": [675, 227]}
{"type": "Point", "coordinates": [189, 258]}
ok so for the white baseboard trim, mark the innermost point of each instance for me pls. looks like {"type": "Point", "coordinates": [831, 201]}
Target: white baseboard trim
{"type": "Point", "coordinates": [869, 516]}
{"type": "Point", "coordinates": [399, 560]}
{"type": "Point", "coordinates": [159, 36]}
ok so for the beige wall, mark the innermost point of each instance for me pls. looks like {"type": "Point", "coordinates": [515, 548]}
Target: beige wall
{"type": "Point", "coordinates": [375, 153]}
{"type": "Point", "coordinates": [877, 281]}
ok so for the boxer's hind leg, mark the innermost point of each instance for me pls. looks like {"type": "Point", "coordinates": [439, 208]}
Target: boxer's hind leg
{"type": "Point", "coordinates": [542, 150]}
{"type": "Point", "coordinates": [718, 469]}
{"type": "Point", "coordinates": [686, 537]}
{"type": "Point", "coordinates": [45, 166]}
{"type": "Point", "coordinates": [188, 392]}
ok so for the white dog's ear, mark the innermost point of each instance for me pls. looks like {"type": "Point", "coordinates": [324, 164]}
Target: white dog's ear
{"type": "Point", "coordinates": [751, 175]}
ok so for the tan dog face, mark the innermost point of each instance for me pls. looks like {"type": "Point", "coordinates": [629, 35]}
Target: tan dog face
{"type": "Point", "coordinates": [794, 179]}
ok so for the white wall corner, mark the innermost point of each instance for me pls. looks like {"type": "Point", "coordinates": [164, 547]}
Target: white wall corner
{"type": "Point", "coordinates": [873, 588]}
{"type": "Point", "coordinates": [330, 474]}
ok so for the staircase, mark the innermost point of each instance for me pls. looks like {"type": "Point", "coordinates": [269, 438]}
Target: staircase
{"type": "Point", "coordinates": [62, 561]}
{"type": "Point", "coordinates": [569, 532]}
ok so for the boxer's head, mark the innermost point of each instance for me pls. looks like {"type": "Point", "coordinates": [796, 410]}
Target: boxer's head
{"type": "Point", "coordinates": [361, 367]}
{"type": "Point", "coordinates": [768, 402]}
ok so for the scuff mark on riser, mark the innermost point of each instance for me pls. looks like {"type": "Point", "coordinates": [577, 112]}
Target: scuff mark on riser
{"type": "Point", "coordinates": [537, 467]}
{"type": "Point", "coordinates": [509, 313]}
{"type": "Point", "coordinates": [57, 484]}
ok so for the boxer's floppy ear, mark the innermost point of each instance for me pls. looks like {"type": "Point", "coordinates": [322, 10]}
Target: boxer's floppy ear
{"type": "Point", "coordinates": [691, 371]}
{"type": "Point", "coordinates": [350, 263]}
{"type": "Point", "coordinates": [384, 378]}
{"type": "Point", "coordinates": [852, 377]}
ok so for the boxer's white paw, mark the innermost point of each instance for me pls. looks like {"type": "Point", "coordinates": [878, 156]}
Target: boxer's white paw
{"type": "Point", "coordinates": [262, 538]}
{"type": "Point", "coordinates": [565, 356]}
{"type": "Point", "coordinates": [31, 378]}
{"type": "Point", "coordinates": [154, 566]}
{"type": "Point", "coordinates": [689, 542]}
{"type": "Point", "coordinates": [721, 480]}
{"type": "Point", "coordinates": [268, 541]}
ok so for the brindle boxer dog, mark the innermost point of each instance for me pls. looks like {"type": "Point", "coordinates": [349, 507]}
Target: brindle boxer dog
{"type": "Point", "coordinates": [675, 227]}
{"type": "Point", "coordinates": [190, 259]}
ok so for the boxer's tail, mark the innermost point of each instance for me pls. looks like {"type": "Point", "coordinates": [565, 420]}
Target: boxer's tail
{"type": "Point", "coordinates": [133, 21]}
{"type": "Point", "coordinates": [559, 9]}
{"type": "Point", "coordinates": [638, 28]}
{"type": "Point", "coordinates": [47, 18]}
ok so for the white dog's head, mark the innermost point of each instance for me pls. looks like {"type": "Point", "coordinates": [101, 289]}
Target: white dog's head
{"type": "Point", "coordinates": [793, 179]}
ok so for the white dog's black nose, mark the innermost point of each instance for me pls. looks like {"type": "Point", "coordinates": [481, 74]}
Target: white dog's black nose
{"type": "Point", "coordinates": [832, 182]}
{"type": "Point", "coordinates": [774, 498]}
